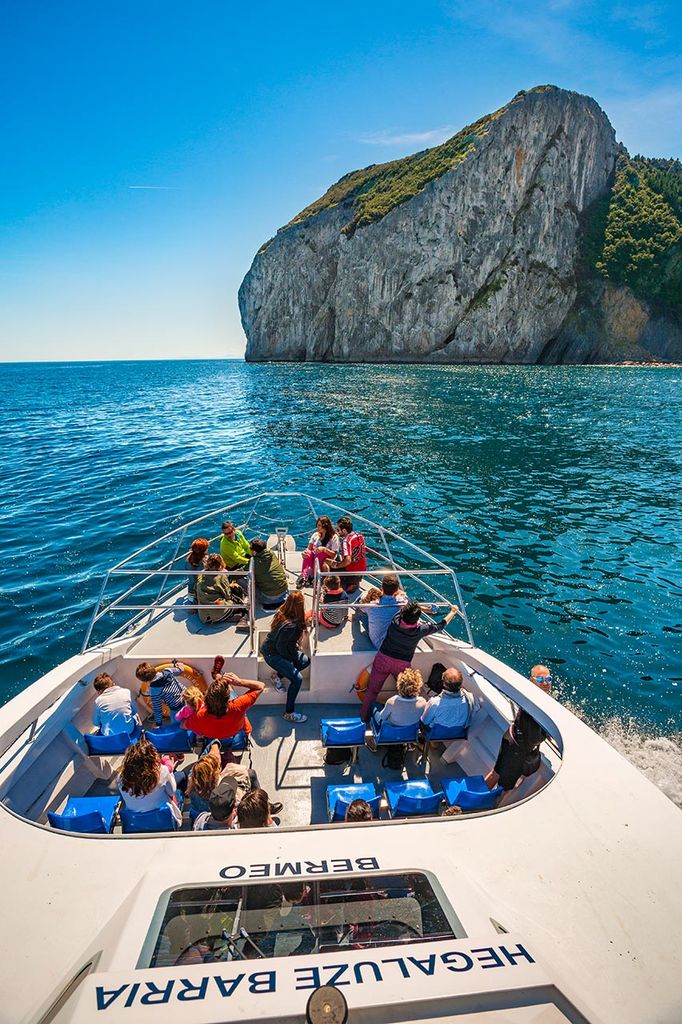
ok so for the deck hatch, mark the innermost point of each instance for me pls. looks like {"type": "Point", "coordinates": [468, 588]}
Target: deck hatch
{"type": "Point", "coordinates": [211, 924]}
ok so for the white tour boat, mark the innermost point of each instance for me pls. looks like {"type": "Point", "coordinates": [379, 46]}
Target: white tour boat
{"type": "Point", "coordinates": [560, 902]}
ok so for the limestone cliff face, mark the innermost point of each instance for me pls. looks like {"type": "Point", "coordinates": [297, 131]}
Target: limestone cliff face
{"type": "Point", "coordinates": [479, 266]}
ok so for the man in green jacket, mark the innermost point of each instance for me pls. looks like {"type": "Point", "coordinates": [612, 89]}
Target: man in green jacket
{"type": "Point", "coordinates": [271, 578]}
{"type": "Point", "coordinates": [214, 588]}
{"type": "Point", "coordinates": [234, 548]}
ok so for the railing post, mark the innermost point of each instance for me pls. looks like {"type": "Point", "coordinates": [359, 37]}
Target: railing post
{"type": "Point", "coordinates": [93, 618]}
{"type": "Point", "coordinates": [316, 604]}
{"type": "Point", "coordinates": [252, 606]}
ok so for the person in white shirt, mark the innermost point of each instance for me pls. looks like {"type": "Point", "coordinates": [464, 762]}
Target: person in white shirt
{"type": "Point", "coordinates": [146, 784]}
{"type": "Point", "coordinates": [453, 707]}
{"type": "Point", "coordinates": [406, 706]}
{"type": "Point", "coordinates": [114, 711]}
{"type": "Point", "coordinates": [379, 614]}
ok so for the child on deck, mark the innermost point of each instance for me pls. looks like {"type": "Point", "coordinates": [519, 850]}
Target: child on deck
{"type": "Point", "coordinates": [164, 687]}
{"type": "Point", "coordinates": [332, 593]}
{"type": "Point", "coordinates": [193, 701]}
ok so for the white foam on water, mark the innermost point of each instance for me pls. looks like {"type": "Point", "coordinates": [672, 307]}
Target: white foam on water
{"type": "Point", "coordinates": [656, 756]}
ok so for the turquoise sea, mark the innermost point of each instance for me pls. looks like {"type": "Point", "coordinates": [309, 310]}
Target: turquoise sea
{"type": "Point", "coordinates": [555, 492]}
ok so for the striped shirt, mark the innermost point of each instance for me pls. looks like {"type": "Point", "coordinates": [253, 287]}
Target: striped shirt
{"type": "Point", "coordinates": [166, 689]}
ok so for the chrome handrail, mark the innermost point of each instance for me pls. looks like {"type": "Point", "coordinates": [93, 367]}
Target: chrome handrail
{"type": "Point", "coordinates": [251, 504]}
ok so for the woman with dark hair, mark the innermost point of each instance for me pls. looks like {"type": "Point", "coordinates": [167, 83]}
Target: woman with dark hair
{"type": "Point", "coordinates": [222, 718]}
{"type": "Point", "coordinates": [323, 547]}
{"type": "Point", "coordinates": [146, 784]}
{"type": "Point", "coordinates": [196, 560]}
{"type": "Point", "coordinates": [282, 653]}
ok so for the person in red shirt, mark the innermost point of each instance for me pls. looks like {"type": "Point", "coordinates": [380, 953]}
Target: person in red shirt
{"type": "Point", "coordinates": [222, 718]}
{"type": "Point", "coordinates": [353, 554]}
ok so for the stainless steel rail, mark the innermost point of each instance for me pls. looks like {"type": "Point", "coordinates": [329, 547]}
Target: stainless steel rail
{"type": "Point", "coordinates": [253, 513]}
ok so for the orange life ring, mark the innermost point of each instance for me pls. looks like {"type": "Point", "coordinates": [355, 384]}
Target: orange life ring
{"type": "Point", "coordinates": [191, 673]}
{"type": "Point", "coordinates": [362, 682]}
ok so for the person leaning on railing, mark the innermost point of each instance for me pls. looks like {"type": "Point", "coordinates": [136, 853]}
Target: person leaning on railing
{"type": "Point", "coordinates": [397, 650]}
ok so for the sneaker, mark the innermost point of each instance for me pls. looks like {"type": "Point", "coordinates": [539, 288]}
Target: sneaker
{"type": "Point", "coordinates": [295, 716]}
{"type": "Point", "coordinates": [276, 808]}
{"type": "Point", "coordinates": [218, 663]}
{"type": "Point", "coordinates": [300, 582]}
{"type": "Point", "coordinates": [277, 682]}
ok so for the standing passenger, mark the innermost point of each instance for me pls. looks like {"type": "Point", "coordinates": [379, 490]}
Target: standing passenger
{"type": "Point", "coordinates": [397, 650]}
{"type": "Point", "coordinates": [520, 747]}
{"type": "Point", "coordinates": [282, 653]}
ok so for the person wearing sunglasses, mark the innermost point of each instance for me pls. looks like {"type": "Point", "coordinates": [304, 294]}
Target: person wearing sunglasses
{"type": "Point", "coordinates": [520, 747]}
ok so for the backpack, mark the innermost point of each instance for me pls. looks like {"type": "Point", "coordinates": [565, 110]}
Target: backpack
{"type": "Point", "coordinates": [435, 680]}
{"type": "Point", "coordinates": [394, 757]}
{"type": "Point", "coordinates": [337, 755]}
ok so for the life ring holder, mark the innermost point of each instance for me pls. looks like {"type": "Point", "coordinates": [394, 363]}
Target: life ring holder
{"type": "Point", "coordinates": [195, 677]}
{"type": "Point", "coordinates": [362, 682]}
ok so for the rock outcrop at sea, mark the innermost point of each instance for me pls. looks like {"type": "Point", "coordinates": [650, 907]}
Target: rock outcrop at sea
{"type": "Point", "coordinates": [480, 265]}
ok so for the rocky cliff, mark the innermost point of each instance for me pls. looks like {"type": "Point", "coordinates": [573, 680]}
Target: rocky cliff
{"type": "Point", "coordinates": [469, 252]}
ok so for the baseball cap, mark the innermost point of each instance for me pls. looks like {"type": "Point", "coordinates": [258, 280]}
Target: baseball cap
{"type": "Point", "coordinates": [222, 800]}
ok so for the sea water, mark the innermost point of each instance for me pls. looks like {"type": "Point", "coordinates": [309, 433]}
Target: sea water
{"type": "Point", "coordinates": [553, 491]}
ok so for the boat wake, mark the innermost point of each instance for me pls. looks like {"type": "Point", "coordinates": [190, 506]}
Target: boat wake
{"type": "Point", "coordinates": [658, 757]}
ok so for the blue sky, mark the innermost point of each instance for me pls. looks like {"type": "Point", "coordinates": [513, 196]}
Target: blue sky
{"type": "Point", "coordinates": [151, 146]}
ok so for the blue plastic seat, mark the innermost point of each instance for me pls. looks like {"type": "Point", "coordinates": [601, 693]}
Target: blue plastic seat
{"type": "Point", "coordinates": [384, 733]}
{"type": "Point", "coordinates": [343, 732]}
{"type": "Point", "coordinates": [239, 741]}
{"type": "Point", "coordinates": [415, 796]}
{"type": "Point", "coordinates": [340, 797]}
{"type": "Point", "coordinates": [471, 793]}
{"type": "Point", "coordinates": [117, 743]}
{"type": "Point", "coordinates": [160, 820]}
{"type": "Point", "coordinates": [431, 733]}
{"type": "Point", "coordinates": [171, 739]}
{"type": "Point", "coordinates": [91, 814]}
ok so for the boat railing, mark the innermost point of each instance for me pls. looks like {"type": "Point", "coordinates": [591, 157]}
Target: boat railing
{"type": "Point", "coordinates": [252, 515]}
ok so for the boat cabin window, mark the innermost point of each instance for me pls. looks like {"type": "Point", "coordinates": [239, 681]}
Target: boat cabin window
{"type": "Point", "coordinates": [247, 922]}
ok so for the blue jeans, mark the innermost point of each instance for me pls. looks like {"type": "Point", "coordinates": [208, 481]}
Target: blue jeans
{"type": "Point", "coordinates": [271, 602]}
{"type": "Point", "coordinates": [290, 670]}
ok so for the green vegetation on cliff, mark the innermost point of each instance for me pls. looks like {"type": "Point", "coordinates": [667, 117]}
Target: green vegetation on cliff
{"type": "Point", "coordinates": [377, 189]}
{"type": "Point", "coordinates": [633, 236]}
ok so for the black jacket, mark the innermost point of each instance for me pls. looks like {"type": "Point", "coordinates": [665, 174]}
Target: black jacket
{"type": "Point", "coordinates": [401, 641]}
{"type": "Point", "coordinates": [283, 641]}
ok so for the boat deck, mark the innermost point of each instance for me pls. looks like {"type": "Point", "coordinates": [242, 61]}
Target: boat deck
{"type": "Point", "coordinates": [180, 631]}
{"type": "Point", "coordinates": [289, 762]}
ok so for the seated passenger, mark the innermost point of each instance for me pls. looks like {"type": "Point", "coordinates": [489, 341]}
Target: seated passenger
{"type": "Point", "coordinates": [397, 649]}
{"type": "Point", "coordinates": [222, 808]}
{"type": "Point", "coordinates": [406, 706]}
{"type": "Point", "coordinates": [270, 575]}
{"type": "Point", "coordinates": [332, 594]}
{"type": "Point", "coordinates": [519, 752]}
{"type": "Point", "coordinates": [114, 711]}
{"type": "Point", "coordinates": [358, 810]}
{"type": "Point", "coordinates": [215, 588]}
{"type": "Point", "coordinates": [222, 718]}
{"type": "Point", "coordinates": [196, 560]}
{"type": "Point", "coordinates": [282, 653]}
{"type": "Point", "coordinates": [323, 547]}
{"type": "Point", "coordinates": [164, 687]}
{"type": "Point", "coordinates": [453, 707]}
{"type": "Point", "coordinates": [234, 548]}
{"type": "Point", "coordinates": [193, 700]}
{"type": "Point", "coordinates": [206, 774]}
{"type": "Point", "coordinates": [254, 810]}
{"type": "Point", "coordinates": [146, 784]}
{"type": "Point", "coordinates": [352, 556]}
{"type": "Point", "coordinates": [378, 612]}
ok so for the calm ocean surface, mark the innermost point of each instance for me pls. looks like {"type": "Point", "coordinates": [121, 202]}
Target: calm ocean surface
{"type": "Point", "coordinates": [555, 492]}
